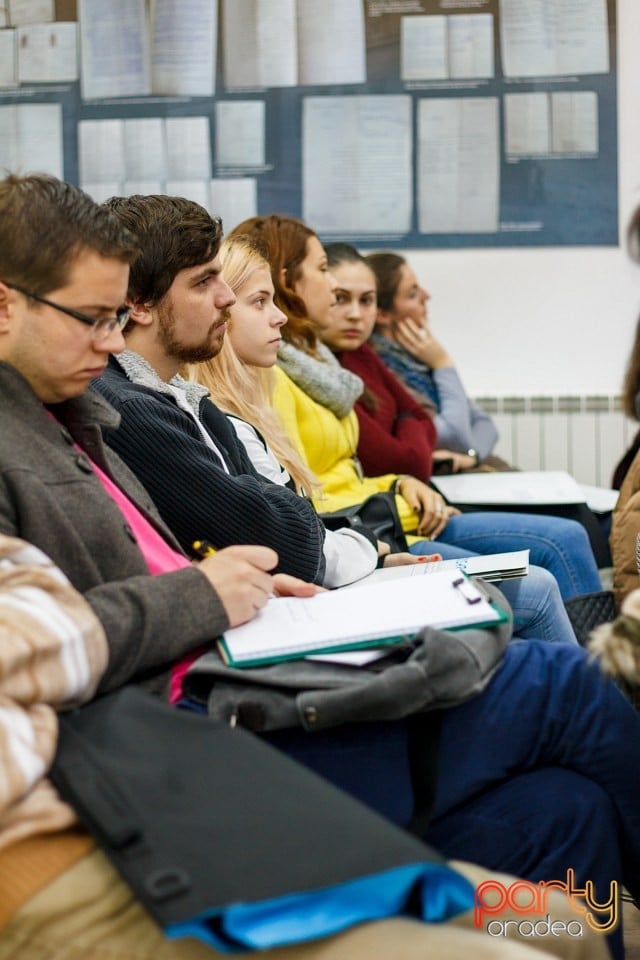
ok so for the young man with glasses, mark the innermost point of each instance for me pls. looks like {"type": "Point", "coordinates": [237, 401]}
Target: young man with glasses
{"type": "Point", "coordinates": [101, 327]}
{"type": "Point", "coordinates": [63, 281]}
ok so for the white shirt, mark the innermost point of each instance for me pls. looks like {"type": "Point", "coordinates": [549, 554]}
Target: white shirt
{"type": "Point", "coordinates": [348, 555]}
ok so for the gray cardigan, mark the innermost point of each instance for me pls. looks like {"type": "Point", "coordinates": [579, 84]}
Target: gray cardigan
{"type": "Point", "coordinates": [50, 496]}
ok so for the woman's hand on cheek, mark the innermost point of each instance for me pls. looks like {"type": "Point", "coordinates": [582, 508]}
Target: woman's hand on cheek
{"type": "Point", "coordinates": [419, 342]}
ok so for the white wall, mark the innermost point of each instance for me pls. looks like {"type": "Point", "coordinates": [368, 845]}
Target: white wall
{"type": "Point", "coordinates": [552, 320]}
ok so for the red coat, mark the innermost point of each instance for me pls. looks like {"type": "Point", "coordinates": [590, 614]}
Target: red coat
{"type": "Point", "coordinates": [399, 435]}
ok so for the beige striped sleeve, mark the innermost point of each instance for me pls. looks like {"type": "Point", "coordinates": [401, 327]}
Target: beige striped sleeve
{"type": "Point", "coordinates": [52, 653]}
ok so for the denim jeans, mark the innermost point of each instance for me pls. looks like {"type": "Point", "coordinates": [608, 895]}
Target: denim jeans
{"type": "Point", "coordinates": [547, 707]}
{"type": "Point", "coordinates": [560, 546]}
{"type": "Point", "coordinates": [538, 610]}
{"type": "Point", "coordinates": [538, 773]}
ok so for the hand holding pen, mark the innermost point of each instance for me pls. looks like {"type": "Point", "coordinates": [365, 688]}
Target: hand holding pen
{"type": "Point", "coordinates": [241, 578]}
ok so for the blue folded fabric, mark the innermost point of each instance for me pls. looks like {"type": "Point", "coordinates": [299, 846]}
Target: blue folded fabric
{"type": "Point", "coordinates": [427, 891]}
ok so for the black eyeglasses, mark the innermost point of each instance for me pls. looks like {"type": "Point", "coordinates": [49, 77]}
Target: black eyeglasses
{"type": "Point", "coordinates": [101, 327]}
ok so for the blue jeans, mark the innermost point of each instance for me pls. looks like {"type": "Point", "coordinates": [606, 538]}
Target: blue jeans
{"type": "Point", "coordinates": [538, 773]}
{"type": "Point", "coordinates": [538, 610]}
{"type": "Point", "coordinates": [560, 546]}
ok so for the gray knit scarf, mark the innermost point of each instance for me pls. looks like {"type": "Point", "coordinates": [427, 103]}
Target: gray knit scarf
{"type": "Point", "coordinates": [322, 378]}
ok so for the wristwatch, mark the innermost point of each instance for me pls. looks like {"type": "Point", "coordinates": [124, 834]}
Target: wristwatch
{"type": "Point", "coordinates": [474, 455]}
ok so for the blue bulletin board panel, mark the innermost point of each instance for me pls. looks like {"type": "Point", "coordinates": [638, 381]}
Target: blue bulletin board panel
{"type": "Point", "coordinates": [424, 123]}
{"type": "Point", "coordinates": [547, 198]}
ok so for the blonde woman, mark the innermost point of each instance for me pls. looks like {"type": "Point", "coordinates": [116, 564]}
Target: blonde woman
{"type": "Point", "coordinates": [240, 380]}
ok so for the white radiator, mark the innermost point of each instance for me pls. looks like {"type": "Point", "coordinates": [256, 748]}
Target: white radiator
{"type": "Point", "coordinates": [584, 435]}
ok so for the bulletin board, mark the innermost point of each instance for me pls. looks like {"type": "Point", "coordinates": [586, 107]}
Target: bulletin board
{"type": "Point", "coordinates": [403, 123]}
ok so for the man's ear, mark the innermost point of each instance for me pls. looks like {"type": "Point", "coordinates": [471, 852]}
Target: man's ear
{"type": "Point", "coordinates": [283, 276]}
{"type": "Point", "coordinates": [141, 313]}
{"type": "Point", "coordinates": [7, 298]}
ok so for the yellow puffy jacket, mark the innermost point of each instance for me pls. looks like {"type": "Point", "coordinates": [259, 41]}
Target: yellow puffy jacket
{"type": "Point", "coordinates": [328, 446]}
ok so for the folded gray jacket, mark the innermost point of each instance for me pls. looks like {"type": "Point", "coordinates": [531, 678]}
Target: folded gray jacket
{"type": "Point", "coordinates": [433, 670]}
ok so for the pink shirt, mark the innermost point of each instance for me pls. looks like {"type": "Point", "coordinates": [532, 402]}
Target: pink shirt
{"type": "Point", "coordinates": [159, 556]}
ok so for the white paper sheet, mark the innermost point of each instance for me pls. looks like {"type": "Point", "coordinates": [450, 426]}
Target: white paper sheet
{"type": "Point", "coordinates": [240, 133]}
{"type": "Point", "coordinates": [8, 59]}
{"type": "Point", "coordinates": [48, 53]}
{"type": "Point", "coordinates": [260, 43]}
{"type": "Point", "coordinates": [575, 122]}
{"type": "Point", "coordinates": [520, 487]}
{"type": "Point", "coordinates": [31, 138]}
{"type": "Point", "coordinates": [331, 42]}
{"type": "Point", "coordinates": [423, 48]}
{"type": "Point", "coordinates": [440, 47]}
{"type": "Point", "coordinates": [114, 40]}
{"type": "Point", "coordinates": [233, 199]}
{"type": "Point", "coordinates": [554, 37]}
{"type": "Point", "coordinates": [458, 165]}
{"type": "Point", "coordinates": [527, 124]}
{"type": "Point", "coordinates": [240, 44]}
{"type": "Point", "coordinates": [357, 164]}
{"type": "Point", "coordinates": [40, 138]}
{"type": "Point", "coordinates": [188, 148]}
{"type": "Point", "coordinates": [30, 11]}
{"type": "Point", "coordinates": [277, 43]}
{"type": "Point", "coordinates": [8, 138]}
{"type": "Point", "coordinates": [470, 46]}
{"type": "Point", "coordinates": [183, 47]}
{"type": "Point", "coordinates": [600, 499]}
{"type": "Point", "coordinates": [101, 150]}
{"type": "Point", "coordinates": [145, 151]}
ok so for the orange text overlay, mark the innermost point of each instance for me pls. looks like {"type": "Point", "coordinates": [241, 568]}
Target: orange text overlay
{"type": "Point", "coordinates": [523, 898]}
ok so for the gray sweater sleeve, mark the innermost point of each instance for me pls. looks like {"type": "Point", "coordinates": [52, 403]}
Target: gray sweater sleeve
{"type": "Point", "coordinates": [152, 622]}
{"type": "Point", "coordinates": [461, 425]}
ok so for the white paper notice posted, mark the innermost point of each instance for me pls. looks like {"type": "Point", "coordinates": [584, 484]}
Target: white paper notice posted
{"type": "Point", "coordinates": [356, 164]}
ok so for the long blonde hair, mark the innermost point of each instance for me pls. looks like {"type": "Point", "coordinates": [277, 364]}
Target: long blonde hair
{"type": "Point", "coordinates": [247, 391]}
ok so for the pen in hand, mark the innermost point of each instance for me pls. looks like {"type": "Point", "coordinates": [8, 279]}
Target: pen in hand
{"type": "Point", "coordinates": [203, 548]}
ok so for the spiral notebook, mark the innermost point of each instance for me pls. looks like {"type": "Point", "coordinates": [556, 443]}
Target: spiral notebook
{"type": "Point", "coordinates": [289, 628]}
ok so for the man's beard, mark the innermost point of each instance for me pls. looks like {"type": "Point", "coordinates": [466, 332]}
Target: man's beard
{"type": "Point", "coordinates": [208, 347]}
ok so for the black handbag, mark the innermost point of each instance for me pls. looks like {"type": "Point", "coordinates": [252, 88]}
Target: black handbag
{"type": "Point", "coordinates": [588, 611]}
{"type": "Point", "coordinates": [204, 821]}
{"type": "Point", "coordinates": [378, 513]}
